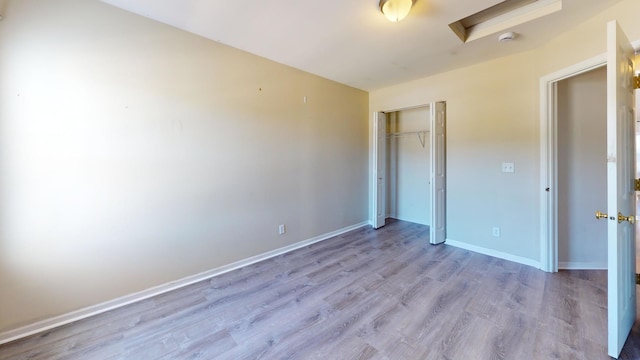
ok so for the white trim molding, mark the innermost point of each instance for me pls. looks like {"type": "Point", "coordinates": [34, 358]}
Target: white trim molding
{"type": "Point", "coordinates": [548, 158]}
{"type": "Point", "coordinates": [563, 265]}
{"type": "Point", "coordinates": [494, 253]}
{"type": "Point", "coordinates": [92, 310]}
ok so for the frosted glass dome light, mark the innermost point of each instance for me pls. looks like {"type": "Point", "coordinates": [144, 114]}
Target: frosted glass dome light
{"type": "Point", "coordinates": [396, 10]}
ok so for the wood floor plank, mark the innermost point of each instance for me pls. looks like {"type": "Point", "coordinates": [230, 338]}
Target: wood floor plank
{"type": "Point", "coordinates": [97, 327]}
{"type": "Point", "coordinates": [515, 338]}
{"type": "Point", "coordinates": [470, 338]}
{"type": "Point", "coordinates": [547, 347]}
{"type": "Point", "coordinates": [368, 294]}
{"type": "Point", "coordinates": [206, 348]}
{"type": "Point", "coordinates": [591, 315]}
{"type": "Point", "coordinates": [352, 348]}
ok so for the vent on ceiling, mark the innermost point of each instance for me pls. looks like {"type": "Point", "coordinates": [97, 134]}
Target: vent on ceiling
{"type": "Point", "coordinates": [502, 16]}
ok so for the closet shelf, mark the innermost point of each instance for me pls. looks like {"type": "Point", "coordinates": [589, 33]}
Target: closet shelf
{"type": "Point", "coordinates": [422, 135]}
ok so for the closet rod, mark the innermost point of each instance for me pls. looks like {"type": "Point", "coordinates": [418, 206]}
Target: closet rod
{"type": "Point", "coordinates": [422, 135]}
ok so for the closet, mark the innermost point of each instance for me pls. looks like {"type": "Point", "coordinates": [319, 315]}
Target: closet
{"type": "Point", "coordinates": [409, 168]}
{"type": "Point", "coordinates": [408, 195]}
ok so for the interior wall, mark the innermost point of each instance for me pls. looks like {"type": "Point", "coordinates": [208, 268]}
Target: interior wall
{"type": "Point", "coordinates": [483, 132]}
{"type": "Point", "coordinates": [493, 117]}
{"type": "Point", "coordinates": [133, 154]}
{"type": "Point", "coordinates": [408, 195]}
{"type": "Point", "coordinates": [582, 171]}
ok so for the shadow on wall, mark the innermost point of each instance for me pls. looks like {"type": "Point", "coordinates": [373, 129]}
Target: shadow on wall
{"type": "Point", "coordinates": [138, 154]}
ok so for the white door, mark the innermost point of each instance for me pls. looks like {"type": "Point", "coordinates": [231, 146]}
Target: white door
{"type": "Point", "coordinates": [379, 170]}
{"type": "Point", "coordinates": [620, 188]}
{"type": "Point", "coordinates": [438, 215]}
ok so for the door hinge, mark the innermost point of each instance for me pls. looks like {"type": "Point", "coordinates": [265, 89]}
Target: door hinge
{"type": "Point", "coordinates": [637, 184]}
{"type": "Point", "coordinates": [637, 279]}
{"type": "Point", "coordinates": [636, 82]}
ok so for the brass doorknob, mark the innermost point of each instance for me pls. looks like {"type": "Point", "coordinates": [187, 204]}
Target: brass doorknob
{"type": "Point", "coordinates": [600, 215]}
{"type": "Point", "coordinates": [631, 219]}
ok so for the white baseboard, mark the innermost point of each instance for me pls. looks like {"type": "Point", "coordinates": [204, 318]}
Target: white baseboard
{"type": "Point", "coordinates": [572, 265]}
{"type": "Point", "coordinates": [494, 253]}
{"type": "Point", "coordinates": [415, 221]}
{"type": "Point", "coordinates": [92, 310]}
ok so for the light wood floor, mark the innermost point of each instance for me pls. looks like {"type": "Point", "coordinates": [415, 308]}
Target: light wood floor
{"type": "Point", "coordinates": [368, 294]}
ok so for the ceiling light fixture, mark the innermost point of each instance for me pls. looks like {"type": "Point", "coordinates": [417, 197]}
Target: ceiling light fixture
{"type": "Point", "coordinates": [396, 10]}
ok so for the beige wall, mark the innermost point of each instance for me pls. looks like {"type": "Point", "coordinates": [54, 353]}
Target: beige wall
{"type": "Point", "coordinates": [493, 117]}
{"type": "Point", "coordinates": [133, 154]}
{"type": "Point", "coordinates": [582, 169]}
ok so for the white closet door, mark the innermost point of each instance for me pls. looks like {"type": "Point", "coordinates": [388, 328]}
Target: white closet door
{"type": "Point", "coordinates": [438, 183]}
{"type": "Point", "coordinates": [380, 171]}
{"type": "Point", "coordinates": [620, 188]}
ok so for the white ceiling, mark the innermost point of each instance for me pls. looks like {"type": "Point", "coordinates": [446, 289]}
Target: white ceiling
{"type": "Point", "coordinates": [350, 41]}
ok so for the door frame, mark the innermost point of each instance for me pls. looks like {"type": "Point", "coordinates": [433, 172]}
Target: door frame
{"type": "Point", "coordinates": [374, 155]}
{"type": "Point", "coordinates": [549, 157]}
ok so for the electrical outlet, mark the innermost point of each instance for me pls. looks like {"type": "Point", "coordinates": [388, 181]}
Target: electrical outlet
{"type": "Point", "coordinates": [282, 229]}
{"type": "Point", "coordinates": [508, 167]}
{"type": "Point", "coordinates": [496, 232]}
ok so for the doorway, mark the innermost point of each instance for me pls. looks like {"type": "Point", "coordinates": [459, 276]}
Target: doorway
{"type": "Point", "coordinates": [549, 177]}
{"type": "Point", "coordinates": [581, 170]}
{"type": "Point", "coordinates": [620, 152]}
{"type": "Point", "coordinates": [400, 167]}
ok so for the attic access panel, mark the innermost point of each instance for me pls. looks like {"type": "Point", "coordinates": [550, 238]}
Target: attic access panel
{"type": "Point", "coordinates": [502, 16]}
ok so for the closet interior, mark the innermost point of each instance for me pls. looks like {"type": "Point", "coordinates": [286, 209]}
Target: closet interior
{"type": "Point", "coordinates": [408, 194]}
